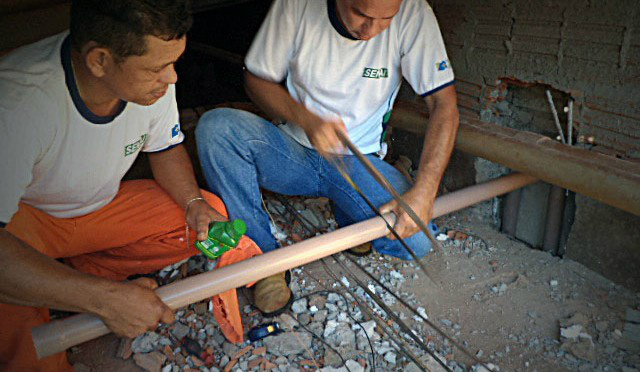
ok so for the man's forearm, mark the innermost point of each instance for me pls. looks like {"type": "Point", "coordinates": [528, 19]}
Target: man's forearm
{"type": "Point", "coordinates": [439, 141]}
{"type": "Point", "coordinates": [172, 169]}
{"type": "Point", "coordinates": [276, 101]}
{"type": "Point", "coordinates": [29, 278]}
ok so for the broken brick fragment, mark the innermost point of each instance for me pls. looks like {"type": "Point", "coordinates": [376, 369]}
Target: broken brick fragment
{"type": "Point", "coordinates": [151, 362]}
{"type": "Point", "coordinates": [268, 365]}
{"type": "Point", "coordinates": [124, 348]}
{"type": "Point", "coordinates": [242, 352]}
{"type": "Point", "coordinates": [254, 363]}
{"type": "Point", "coordinates": [230, 365]}
{"type": "Point", "coordinates": [168, 352]}
{"type": "Point", "coordinates": [260, 351]}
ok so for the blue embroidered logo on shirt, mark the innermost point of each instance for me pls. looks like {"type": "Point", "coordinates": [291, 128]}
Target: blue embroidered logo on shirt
{"type": "Point", "coordinates": [175, 131]}
{"type": "Point", "coordinates": [442, 65]}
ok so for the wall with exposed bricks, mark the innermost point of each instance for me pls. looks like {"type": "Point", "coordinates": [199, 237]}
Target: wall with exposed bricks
{"type": "Point", "coordinates": [587, 49]}
{"type": "Point", "coordinates": [507, 53]}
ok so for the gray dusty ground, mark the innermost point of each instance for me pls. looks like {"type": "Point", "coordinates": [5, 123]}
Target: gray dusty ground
{"type": "Point", "coordinates": [505, 301]}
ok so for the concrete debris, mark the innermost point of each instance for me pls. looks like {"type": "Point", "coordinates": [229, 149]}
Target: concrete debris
{"type": "Point", "coordinates": [352, 366]}
{"type": "Point", "coordinates": [299, 306]}
{"type": "Point", "coordinates": [586, 342]}
{"type": "Point", "coordinates": [145, 343]}
{"type": "Point", "coordinates": [285, 344]}
{"type": "Point", "coordinates": [572, 332]}
{"type": "Point", "coordinates": [390, 357]}
{"type": "Point", "coordinates": [180, 331]}
{"type": "Point", "coordinates": [151, 362]}
{"type": "Point", "coordinates": [481, 368]}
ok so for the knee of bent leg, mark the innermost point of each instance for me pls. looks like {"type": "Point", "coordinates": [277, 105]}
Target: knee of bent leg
{"type": "Point", "coordinates": [419, 243]}
{"type": "Point", "coordinates": [215, 125]}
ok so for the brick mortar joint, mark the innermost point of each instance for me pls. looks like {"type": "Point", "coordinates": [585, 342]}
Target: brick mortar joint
{"type": "Point", "coordinates": [626, 39]}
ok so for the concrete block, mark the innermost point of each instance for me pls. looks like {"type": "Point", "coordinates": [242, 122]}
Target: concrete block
{"type": "Point", "coordinates": [487, 62]}
{"type": "Point", "coordinates": [604, 137]}
{"type": "Point", "coordinates": [593, 51]}
{"type": "Point", "coordinates": [533, 66]}
{"type": "Point", "coordinates": [493, 43]}
{"type": "Point", "coordinates": [615, 122]}
{"type": "Point", "coordinates": [491, 10]}
{"type": "Point", "coordinates": [606, 240]}
{"type": "Point", "coordinates": [532, 213]}
{"type": "Point", "coordinates": [498, 28]}
{"type": "Point", "coordinates": [538, 45]}
{"type": "Point", "coordinates": [543, 29]}
{"type": "Point", "coordinates": [596, 33]}
{"type": "Point", "coordinates": [588, 72]}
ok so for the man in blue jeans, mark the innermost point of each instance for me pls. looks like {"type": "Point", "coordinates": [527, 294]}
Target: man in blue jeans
{"type": "Point", "coordinates": [343, 62]}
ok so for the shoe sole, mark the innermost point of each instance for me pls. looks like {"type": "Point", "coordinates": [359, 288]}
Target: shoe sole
{"type": "Point", "coordinates": [359, 254]}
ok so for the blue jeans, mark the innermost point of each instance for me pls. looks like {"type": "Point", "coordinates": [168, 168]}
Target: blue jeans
{"type": "Point", "coordinates": [241, 153]}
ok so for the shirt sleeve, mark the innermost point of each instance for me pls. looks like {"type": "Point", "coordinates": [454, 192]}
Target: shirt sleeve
{"type": "Point", "coordinates": [273, 46]}
{"type": "Point", "coordinates": [165, 132]}
{"type": "Point", "coordinates": [21, 146]}
{"type": "Point", "coordinates": [423, 59]}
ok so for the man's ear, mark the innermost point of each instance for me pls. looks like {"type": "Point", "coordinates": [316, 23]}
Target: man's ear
{"type": "Point", "coordinates": [99, 60]}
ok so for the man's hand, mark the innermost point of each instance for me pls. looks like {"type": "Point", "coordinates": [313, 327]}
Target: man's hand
{"type": "Point", "coordinates": [199, 215]}
{"type": "Point", "coordinates": [322, 135]}
{"type": "Point", "coordinates": [133, 308]}
{"type": "Point", "coordinates": [420, 202]}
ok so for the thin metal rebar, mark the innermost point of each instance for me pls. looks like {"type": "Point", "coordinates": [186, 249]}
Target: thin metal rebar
{"type": "Point", "coordinates": [413, 310]}
{"type": "Point", "coordinates": [397, 339]}
{"type": "Point", "coordinates": [375, 173]}
{"type": "Point", "coordinates": [392, 315]}
{"type": "Point", "coordinates": [555, 116]}
{"type": "Point", "coordinates": [570, 124]}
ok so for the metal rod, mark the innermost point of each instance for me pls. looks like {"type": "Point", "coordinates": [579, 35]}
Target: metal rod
{"type": "Point", "coordinates": [59, 335]}
{"type": "Point", "coordinates": [555, 117]}
{"type": "Point", "coordinates": [375, 209]}
{"type": "Point", "coordinates": [375, 173]}
{"type": "Point", "coordinates": [369, 311]}
{"type": "Point", "coordinates": [570, 124]}
{"type": "Point", "coordinates": [413, 310]}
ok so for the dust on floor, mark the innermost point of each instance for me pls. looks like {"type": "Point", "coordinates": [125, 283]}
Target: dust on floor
{"type": "Point", "coordinates": [517, 308]}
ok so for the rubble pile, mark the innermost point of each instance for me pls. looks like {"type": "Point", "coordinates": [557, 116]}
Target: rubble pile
{"type": "Point", "coordinates": [327, 330]}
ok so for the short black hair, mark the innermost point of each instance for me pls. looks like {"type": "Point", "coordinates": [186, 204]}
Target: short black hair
{"type": "Point", "coordinates": [121, 25]}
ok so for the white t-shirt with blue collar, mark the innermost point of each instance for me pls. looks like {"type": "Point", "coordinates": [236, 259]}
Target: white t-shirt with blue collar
{"type": "Point", "coordinates": [55, 154]}
{"type": "Point", "coordinates": [334, 75]}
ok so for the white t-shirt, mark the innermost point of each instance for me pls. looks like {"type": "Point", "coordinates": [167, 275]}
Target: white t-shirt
{"type": "Point", "coordinates": [355, 80]}
{"type": "Point", "coordinates": [54, 153]}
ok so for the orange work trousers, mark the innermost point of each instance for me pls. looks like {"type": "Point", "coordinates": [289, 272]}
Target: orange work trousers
{"type": "Point", "coordinates": [142, 230]}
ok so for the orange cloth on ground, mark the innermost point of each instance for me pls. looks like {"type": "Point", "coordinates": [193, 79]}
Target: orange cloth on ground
{"type": "Point", "coordinates": [140, 231]}
{"type": "Point", "coordinates": [229, 319]}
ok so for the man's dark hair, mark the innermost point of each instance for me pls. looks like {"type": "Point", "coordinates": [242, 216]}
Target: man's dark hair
{"type": "Point", "coordinates": [121, 25]}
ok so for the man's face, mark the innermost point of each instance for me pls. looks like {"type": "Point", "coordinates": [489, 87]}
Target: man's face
{"type": "Point", "coordinates": [145, 79]}
{"type": "Point", "coordinates": [364, 19]}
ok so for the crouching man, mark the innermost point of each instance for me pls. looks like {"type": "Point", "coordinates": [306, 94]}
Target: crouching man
{"type": "Point", "coordinates": [76, 110]}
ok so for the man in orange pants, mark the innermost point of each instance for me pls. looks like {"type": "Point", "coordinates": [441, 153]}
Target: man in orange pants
{"type": "Point", "coordinates": [76, 110]}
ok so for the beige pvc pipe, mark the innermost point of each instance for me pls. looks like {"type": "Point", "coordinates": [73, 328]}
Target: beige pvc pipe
{"type": "Point", "coordinates": [59, 335]}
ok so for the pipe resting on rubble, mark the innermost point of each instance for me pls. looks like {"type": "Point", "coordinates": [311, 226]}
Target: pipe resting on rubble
{"type": "Point", "coordinates": [59, 335]}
